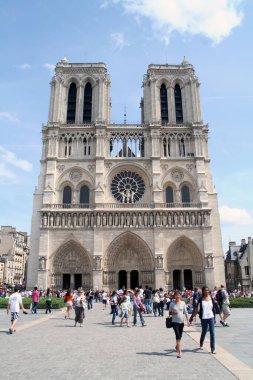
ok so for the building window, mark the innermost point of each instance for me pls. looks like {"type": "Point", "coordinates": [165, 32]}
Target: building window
{"type": "Point", "coordinates": [71, 111]}
{"type": "Point", "coordinates": [87, 103]}
{"type": "Point", "coordinates": [178, 104]}
{"type": "Point", "coordinates": [246, 271]}
{"type": "Point", "coordinates": [185, 194]}
{"type": "Point", "coordinates": [169, 195]}
{"type": "Point", "coordinates": [164, 104]}
{"type": "Point", "coordinates": [67, 194]}
{"type": "Point", "coordinates": [84, 195]}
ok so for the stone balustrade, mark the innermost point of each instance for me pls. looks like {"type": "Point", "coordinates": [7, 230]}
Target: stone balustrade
{"type": "Point", "coordinates": [127, 219]}
{"type": "Point", "coordinates": [99, 206]}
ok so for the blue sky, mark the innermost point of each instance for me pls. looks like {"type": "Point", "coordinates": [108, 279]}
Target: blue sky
{"type": "Point", "coordinates": [214, 35]}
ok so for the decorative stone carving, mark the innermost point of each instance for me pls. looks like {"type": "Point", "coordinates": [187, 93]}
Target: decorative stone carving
{"type": "Point", "coordinates": [97, 263]}
{"type": "Point", "coordinates": [189, 167]}
{"type": "Point", "coordinates": [159, 262]}
{"type": "Point", "coordinates": [209, 261]}
{"type": "Point", "coordinates": [75, 175]}
{"type": "Point", "coordinates": [177, 175]}
{"type": "Point", "coordinates": [60, 168]}
{"type": "Point", "coordinates": [42, 262]}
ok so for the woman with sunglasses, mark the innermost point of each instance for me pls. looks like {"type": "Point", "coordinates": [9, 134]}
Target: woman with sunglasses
{"type": "Point", "coordinates": [178, 309]}
{"type": "Point", "coordinates": [206, 307]}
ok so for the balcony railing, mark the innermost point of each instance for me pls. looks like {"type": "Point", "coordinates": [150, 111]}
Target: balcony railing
{"type": "Point", "coordinates": [93, 206]}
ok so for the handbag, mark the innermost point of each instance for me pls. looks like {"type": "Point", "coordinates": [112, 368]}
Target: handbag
{"type": "Point", "coordinates": [142, 308]}
{"type": "Point", "coordinates": [168, 322]}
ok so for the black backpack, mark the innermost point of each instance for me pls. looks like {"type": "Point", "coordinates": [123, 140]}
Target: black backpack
{"type": "Point", "coordinates": [219, 296]}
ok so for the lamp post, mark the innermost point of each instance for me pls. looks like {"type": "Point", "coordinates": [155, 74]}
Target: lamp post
{"type": "Point", "coordinates": [239, 286]}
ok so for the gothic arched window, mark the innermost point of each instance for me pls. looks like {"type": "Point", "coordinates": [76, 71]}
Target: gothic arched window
{"type": "Point", "coordinates": [181, 147]}
{"type": "Point", "coordinates": [84, 195]}
{"type": "Point", "coordinates": [67, 195]}
{"type": "Point", "coordinates": [71, 110]}
{"type": "Point", "coordinates": [169, 195]}
{"type": "Point", "coordinates": [164, 104]}
{"type": "Point", "coordinates": [87, 103]}
{"type": "Point", "coordinates": [178, 104]}
{"type": "Point", "coordinates": [185, 194]}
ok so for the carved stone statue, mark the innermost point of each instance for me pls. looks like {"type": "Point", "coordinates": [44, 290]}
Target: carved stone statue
{"type": "Point", "coordinates": [42, 263]}
{"type": "Point", "coordinates": [159, 262]}
{"type": "Point", "coordinates": [97, 262]}
{"type": "Point", "coordinates": [209, 261]}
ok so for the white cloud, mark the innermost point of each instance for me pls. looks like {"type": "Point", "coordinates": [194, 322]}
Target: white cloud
{"type": "Point", "coordinates": [9, 157]}
{"type": "Point", "coordinates": [9, 117]}
{"type": "Point", "coordinates": [6, 175]}
{"type": "Point", "coordinates": [49, 66]}
{"type": "Point", "coordinates": [215, 19]}
{"type": "Point", "coordinates": [24, 66]}
{"type": "Point", "coordinates": [237, 216]}
{"type": "Point", "coordinates": [118, 40]}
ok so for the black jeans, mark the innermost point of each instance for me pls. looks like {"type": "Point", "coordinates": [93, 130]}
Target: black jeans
{"type": "Point", "coordinates": [48, 306]}
{"type": "Point", "coordinates": [114, 313]}
{"type": "Point", "coordinates": [160, 308]}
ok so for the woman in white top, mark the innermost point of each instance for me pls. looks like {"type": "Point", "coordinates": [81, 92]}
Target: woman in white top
{"type": "Point", "coordinates": [206, 309]}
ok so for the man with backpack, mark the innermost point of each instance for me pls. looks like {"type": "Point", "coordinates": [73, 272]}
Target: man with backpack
{"type": "Point", "coordinates": [223, 302]}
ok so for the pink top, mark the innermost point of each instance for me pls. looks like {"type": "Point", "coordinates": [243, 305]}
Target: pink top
{"type": "Point", "coordinates": [35, 296]}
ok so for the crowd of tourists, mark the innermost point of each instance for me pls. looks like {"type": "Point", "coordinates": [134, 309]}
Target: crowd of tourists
{"type": "Point", "coordinates": [125, 304]}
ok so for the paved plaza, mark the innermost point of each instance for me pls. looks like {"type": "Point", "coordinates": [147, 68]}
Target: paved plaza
{"type": "Point", "coordinates": [48, 346]}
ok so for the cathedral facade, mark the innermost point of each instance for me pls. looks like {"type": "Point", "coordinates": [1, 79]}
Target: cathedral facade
{"type": "Point", "coordinates": [125, 204]}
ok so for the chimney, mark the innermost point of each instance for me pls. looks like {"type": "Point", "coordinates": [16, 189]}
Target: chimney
{"type": "Point", "coordinates": [249, 239]}
{"type": "Point", "coordinates": [243, 242]}
{"type": "Point", "coordinates": [232, 243]}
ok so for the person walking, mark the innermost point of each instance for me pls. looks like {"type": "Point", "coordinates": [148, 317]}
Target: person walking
{"type": "Point", "coordinates": [104, 299]}
{"type": "Point", "coordinates": [138, 307]}
{"type": "Point", "coordinates": [79, 302]}
{"type": "Point", "coordinates": [156, 301]}
{"type": "Point", "coordinates": [114, 305]}
{"type": "Point", "coordinates": [48, 299]}
{"type": "Point", "coordinates": [14, 305]}
{"type": "Point", "coordinates": [206, 307]}
{"type": "Point", "coordinates": [195, 302]}
{"type": "Point", "coordinates": [178, 310]}
{"type": "Point", "coordinates": [148, 299]}
{"type": "Point", "coordinates": [223, 301]}
{"type": "Point", "coordinates": [125, 309]}
{"type": "Point", "coordinates": [35, 300]}
{"type": "Point", "coordinates": [68, 300]}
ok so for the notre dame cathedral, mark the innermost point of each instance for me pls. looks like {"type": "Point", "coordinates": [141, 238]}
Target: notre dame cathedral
{"type": "Point", "coordinates": [125, 204]}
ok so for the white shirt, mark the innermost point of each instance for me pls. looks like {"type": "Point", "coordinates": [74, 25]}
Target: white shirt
{"type": "Point", "coordinates": [14, 301]}
{"type": "Point", "coordinates": [104, 296]}
{"type": "Point", "coordinates": [207, 307]}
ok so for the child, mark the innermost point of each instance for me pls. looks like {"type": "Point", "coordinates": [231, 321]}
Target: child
{"type": "Point", "coordinates": [125, 309]}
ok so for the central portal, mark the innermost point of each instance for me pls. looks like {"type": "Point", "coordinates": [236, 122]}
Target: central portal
{"type": "Point", "coordinates": [128, 263]}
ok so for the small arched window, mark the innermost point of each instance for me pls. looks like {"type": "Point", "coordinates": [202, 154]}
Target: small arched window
{"type": "Point", "coordinates": [178, 104]}
{"type": "Point", "coordinates": [164, 104]}
{"type": "Point", "coordinates": [84, 196]}
{"type": "Point", "coordinates": [169, 195]}
{"type": "Point", "coordinates": [71, 110]}
{"type": "Point", "coordinates": [185, 194]}
{"type": "Point", "coordinates": [87, 103]}
{"type": "Point", "coordinates": [67, 195]}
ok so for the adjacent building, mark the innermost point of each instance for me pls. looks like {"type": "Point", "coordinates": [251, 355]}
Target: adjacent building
{"type": "Point", "coordinates": [14, 251]}
{"type": "Point", "coordinates": [125, 204]}
{"type": "Point", "coordinates": [239, 266]}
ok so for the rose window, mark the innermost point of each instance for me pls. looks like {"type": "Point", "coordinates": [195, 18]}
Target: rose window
{"type": "Point", "coordinates": [127, 187]}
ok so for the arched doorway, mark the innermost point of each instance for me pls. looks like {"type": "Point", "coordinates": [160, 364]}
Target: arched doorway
{"type": "Point", "coordinates": [71, 267]}
{"type": "Point", "coordinates": [134, 279]}
{"type": "Point", "coordinates": [128, 262]}
{"type": "Point", "coordinates": [184, 265]}
{"type": "Point", "coordinates": [122, 279]}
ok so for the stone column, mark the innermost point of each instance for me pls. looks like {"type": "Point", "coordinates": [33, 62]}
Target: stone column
{"type": "Point", "coordinates": [72, 281]}
{"type": "Point", "coordinates": [128, 284]}
{"type": "Point", "coordinates": [182, 279]}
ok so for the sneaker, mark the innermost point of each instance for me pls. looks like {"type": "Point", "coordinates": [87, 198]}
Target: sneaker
{"type": "Point", "coordinates": [213, 352]}
{"type": "Point", "coordinates": [201, 348]}
{"type": "Point", "coordinates": [226, 325]}
{"type": "Point", "coordinates": [144, 325]}
{"type": "Point", "coordinates": [10, 331]}
{"type": "Point", "coordinates": [222, 323]}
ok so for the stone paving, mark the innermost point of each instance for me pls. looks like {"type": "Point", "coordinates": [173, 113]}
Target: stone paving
{"type": "Point", "coordinates": [50, 347]}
